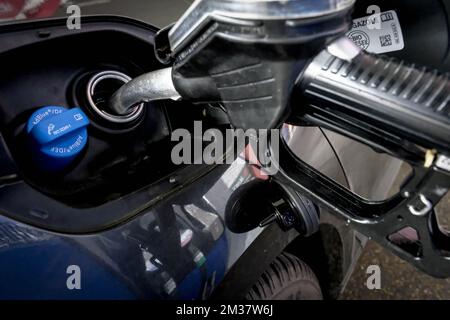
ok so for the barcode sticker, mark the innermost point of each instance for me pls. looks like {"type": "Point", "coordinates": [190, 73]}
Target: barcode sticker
{"type": "Point", "coordinates": [378, 33]}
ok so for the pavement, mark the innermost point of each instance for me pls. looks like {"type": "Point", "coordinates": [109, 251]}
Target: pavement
{"type": "Point", "coordinates": [399, 280]}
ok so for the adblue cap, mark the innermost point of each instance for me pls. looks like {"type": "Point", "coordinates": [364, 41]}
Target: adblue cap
{"type": "Point", "coordinates": [57, 136]}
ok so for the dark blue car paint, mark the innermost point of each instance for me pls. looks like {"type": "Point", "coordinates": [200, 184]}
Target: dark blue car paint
{"type": "Point", "coordinates": [143, 258]}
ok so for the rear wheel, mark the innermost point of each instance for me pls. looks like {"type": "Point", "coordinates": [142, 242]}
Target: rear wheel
{"type": "Point", "coordinates": [287, 278]}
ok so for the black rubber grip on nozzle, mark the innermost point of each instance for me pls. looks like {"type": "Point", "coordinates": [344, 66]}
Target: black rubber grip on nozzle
{"type": "Point", "coordinates": [391, 96]}
{"type": "Point", "coordinates": [250, 67]}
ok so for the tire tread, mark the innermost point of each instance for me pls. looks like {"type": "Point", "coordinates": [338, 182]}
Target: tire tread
{"type": "Point", "coordinates": [284, 270]}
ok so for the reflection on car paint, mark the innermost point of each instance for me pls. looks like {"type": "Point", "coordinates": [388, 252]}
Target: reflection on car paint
{"type": "Point", "coordinates": [177, 250]}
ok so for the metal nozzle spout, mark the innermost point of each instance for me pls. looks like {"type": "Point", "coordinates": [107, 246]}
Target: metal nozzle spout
{"type": "Point", "coordinates": [155, 85]}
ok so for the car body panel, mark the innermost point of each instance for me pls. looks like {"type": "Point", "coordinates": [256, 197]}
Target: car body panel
{"type": "Point", "coordinates": [157, 255]}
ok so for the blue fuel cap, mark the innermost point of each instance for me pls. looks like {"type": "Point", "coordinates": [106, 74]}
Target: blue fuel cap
{"type": "Point", "coordinates": [57, 136]}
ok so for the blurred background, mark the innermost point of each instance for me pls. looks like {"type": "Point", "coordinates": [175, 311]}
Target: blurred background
{"type": "Point", "coordinates": [399, 280]}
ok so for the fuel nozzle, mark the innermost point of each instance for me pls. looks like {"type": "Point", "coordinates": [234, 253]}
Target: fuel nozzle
{"type": "Point", "coordinates": [244, 54]}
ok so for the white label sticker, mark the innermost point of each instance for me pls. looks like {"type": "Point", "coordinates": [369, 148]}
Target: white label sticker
{"type": "Point", "coordinates": [378, 33]}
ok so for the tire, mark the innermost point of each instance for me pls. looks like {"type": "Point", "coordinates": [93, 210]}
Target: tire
{"type": "Point", "coordinates": [287, 278]}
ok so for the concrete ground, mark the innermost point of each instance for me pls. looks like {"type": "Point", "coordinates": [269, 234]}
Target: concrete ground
{"type": "Point", "coordinates": [399, 280]}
